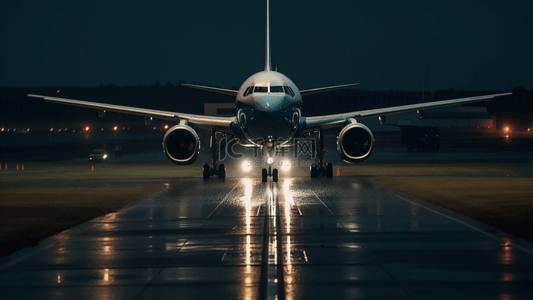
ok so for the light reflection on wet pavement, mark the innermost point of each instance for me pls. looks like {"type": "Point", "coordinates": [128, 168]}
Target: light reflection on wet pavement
{"type": "Point", "coordinates": [295, 239]}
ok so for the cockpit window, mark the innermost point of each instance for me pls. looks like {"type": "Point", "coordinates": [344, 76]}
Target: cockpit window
{"type": "Point", "coordinates": [261, 89]}
{"type": "Point", "coordinates": [248, 91]}
{"type": "Point", "coordinates": [289, 91]}
{"type": "Point", "coordinates": [276, 89]}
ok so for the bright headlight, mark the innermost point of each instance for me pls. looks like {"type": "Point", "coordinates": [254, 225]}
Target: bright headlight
{"type": "Point", "coordinates": [105, 156]}
{"type": "Point", "coordinates": [246, 166]}
{"type": "Point", "coordinates": [270, 160]}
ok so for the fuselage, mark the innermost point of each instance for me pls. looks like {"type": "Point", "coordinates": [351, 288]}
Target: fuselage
{"type": "Point", "coordinates": [268, 107]}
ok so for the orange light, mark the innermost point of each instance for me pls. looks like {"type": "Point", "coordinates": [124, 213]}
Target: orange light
{"type": "Point", "coordinates": [166, 126]}
{"type": "Point", "coordinates": [3, 129]}
{"type": "Point", "coordinates": [123, 128]}
{"type": "Point", "coordinates": [506, 128]}
{"type": "Point", "coordinates": [59, 130]}
{"type": "Point", "coordinates": [27, 130]}
{"type": "Point", "coordinates": [529, 129]}
{"type": "Point", "coordinates": [154, 128]}
{"type": "Point", "coordinates": [51, 129]}
{"type": "Point", "coordinates": [57, 92]}
{"type": "Point", "coordinates": [115, 128]}
{"type": "Point", "coordinates": [102, 129]}
{"type": "Point", "coordinates": [87, 128]}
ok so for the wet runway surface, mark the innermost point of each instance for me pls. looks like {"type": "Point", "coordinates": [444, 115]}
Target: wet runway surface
{"type": "Point", "coordinates": [345, 238]}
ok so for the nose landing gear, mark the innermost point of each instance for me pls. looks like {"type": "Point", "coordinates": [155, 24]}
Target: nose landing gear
{"type": "Point", "coordinates": [270, 172]}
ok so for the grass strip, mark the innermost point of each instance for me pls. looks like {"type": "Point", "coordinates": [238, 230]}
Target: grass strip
{"type": "Point", "coordinates": [28, 215]}
{"type": "Point", "coordinates": [504, 203]}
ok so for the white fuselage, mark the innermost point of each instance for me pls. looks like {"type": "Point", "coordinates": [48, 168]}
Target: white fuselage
{"type": "Point", "coordinates": [268, 107]}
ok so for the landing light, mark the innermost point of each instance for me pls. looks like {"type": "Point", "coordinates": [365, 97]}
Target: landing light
{"type": "Point", "coordinates": [246, 166]}
{"type": "Point", "coordinates": [270, 160]}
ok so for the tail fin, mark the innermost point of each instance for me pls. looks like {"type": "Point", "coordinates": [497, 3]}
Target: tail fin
{"type": "Point", "coordinates": [268, 64]}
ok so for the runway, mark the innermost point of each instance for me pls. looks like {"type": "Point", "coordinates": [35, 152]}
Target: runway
{"type": "Point", "coordinates": [345, 238]}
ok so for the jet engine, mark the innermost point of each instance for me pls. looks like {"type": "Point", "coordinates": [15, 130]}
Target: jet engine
{"type": "Point", "coordinates": [181, 145]}
{"type": "Point", "coordinates": [355, 143]}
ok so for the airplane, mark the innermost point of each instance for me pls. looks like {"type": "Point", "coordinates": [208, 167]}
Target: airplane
{"type": "Point", "coordinates": [268, 117]}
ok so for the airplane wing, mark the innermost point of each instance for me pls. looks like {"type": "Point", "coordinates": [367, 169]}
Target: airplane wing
{"type": "Point", "coordinates": [207, 122]}
{"type": "Point", "coordinates": [326, 89]}
{"type": "Point", "coordinates": [340, 119]}
{"type": "Point", "coordinates": [212, 89]}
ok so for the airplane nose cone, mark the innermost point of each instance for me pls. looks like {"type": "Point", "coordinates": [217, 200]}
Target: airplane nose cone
{"type": "Point", "coordinates": [269, 103]}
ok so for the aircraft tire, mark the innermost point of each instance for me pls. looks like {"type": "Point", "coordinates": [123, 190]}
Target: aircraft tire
{"type": "Point", "coordinates": [221, 171]}
{"type": "Point", "coordinates": [264, 175]}
{"type": "Point", "coordinates": [206, 171]}
{"type": "Point", "coordinates": [329, 170]}
{"type": "Point", "coordinates": [313, 171]}
{"type": "Point", "coordinates": [275, 175]}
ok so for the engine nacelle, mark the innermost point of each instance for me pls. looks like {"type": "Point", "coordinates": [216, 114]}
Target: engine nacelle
{"type": "Point", "coordinates": [355, 143]}
{"type": "Point", "coordinates": [181, 145]}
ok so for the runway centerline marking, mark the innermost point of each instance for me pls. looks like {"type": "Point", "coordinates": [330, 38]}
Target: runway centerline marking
{"type": "Point", "coordinates": [272, 285]}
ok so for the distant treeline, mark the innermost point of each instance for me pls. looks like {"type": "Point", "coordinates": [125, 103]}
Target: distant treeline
{"type": "Point", "coordinates": [16, 107]}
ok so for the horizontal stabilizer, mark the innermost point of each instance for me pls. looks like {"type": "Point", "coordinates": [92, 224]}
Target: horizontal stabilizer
{"type": "Point", "coordinates": [212, 89]}
{"type": "Point", "coordinates": [326, 89]}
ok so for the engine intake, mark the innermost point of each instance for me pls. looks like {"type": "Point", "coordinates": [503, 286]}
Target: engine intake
{"type": "Point", "coordinates": [181, 145]}
{"type": "Point", "coordinates": [355, 143]}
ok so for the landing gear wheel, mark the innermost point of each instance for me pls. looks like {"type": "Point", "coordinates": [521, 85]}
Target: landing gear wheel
{"type": "Point", "coordinates": [329, 170]}
{"type": "Point", "coordinates": [206, 171]}
{"type": "Point", "coordinates": [321, 171]}
{"type": "Point", "coordinates": [221, 171]}
{"type": "Point", "coordinates": [313, 171]}
{"type": "Point", "coordinates": [264, 175]}
{"type": "Point", "coordinates": [275, 175]}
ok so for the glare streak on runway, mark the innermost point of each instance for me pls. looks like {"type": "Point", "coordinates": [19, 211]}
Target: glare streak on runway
{"type": "Point", "coordinates": [345, 238]}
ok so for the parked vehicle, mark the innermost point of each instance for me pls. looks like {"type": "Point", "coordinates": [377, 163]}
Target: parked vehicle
{"type": "Point", "coordinates": [98, 155]}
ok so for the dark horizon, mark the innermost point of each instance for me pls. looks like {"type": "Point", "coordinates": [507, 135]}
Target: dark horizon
{"type": "Point", "coordinates": [385, 45]}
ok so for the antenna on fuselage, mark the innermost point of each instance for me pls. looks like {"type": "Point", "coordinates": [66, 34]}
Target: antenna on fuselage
{"type": "Point", "coordinates": [268, 65]}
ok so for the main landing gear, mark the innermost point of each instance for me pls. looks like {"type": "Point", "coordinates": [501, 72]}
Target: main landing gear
{"type": "Point", "coordinates": [270, 172]}
{"type": "Point", "coordinates": [214, 169]}
{"type": "Point", "coordinates": [320, 168]}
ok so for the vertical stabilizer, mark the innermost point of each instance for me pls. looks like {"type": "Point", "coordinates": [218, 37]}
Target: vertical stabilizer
{"type": "Point", "coordinates": [268, 64]}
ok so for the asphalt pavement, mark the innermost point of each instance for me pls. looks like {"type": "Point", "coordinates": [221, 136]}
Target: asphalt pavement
{"type": "Point", "coordinates": [300, 238]}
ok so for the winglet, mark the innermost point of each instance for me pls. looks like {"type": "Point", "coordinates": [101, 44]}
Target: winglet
{"type": "Point", "coordinates": [268, 64]}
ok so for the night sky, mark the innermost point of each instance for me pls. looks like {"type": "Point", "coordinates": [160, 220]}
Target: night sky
{"type": "Point", "coordinates": [463, 45]}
